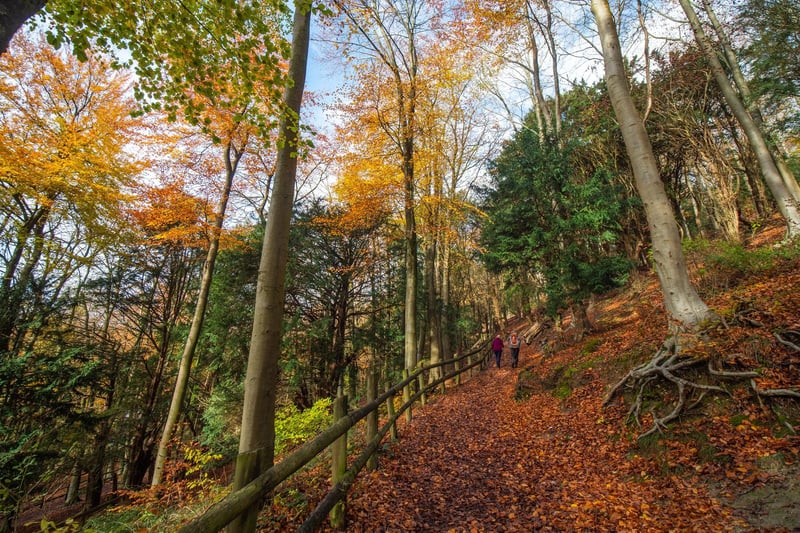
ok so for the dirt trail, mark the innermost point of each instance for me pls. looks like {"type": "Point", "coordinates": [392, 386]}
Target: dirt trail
{"type": "Point", "coordinates": [476, 460]}
{"type": "Point", "coordinates": [464, 465]}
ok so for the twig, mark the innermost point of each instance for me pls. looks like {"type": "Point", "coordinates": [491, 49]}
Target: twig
{"type": "Point", "coordinates": [752, 322]}
{"type": "Point", "coordinates": [772, 393]}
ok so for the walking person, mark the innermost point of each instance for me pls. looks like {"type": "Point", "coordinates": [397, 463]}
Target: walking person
{"type": "Point", "coordinates": [497, 348]}
{"type": "Point", "coordinates": [514, 343]}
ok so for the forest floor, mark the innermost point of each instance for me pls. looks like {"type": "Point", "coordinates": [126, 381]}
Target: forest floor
{"type": "Point", "coordinates": [533, 449]}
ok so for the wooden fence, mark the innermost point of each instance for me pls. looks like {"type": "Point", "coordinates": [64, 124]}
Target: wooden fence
{"type": "Point", "coordinates": [223, 512]}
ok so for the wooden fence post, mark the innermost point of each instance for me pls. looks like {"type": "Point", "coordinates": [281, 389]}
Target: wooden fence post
{"type": "Point", "coordinates": [390, 414]}
{"type": "Point", "coordinates": [457, 368]}
{"type": "Point", "coordinates": [421, 381]}
{"type": "Point", "coordinates": [407, 394]}
{"type": "Point", "coordinates": [339, 463]}
{"type": "Point", "coordinates": [372, 418]}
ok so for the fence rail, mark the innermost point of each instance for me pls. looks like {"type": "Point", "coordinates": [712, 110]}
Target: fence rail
{"type": "Point", "coordinates": [226, 510]}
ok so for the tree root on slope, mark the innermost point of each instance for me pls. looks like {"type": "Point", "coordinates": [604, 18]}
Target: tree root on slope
{"type": "Point", "coordinates": [670, 363]}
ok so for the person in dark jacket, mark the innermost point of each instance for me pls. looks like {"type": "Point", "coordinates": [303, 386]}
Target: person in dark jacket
{"type": "Point", "coordinates": [497, 348]}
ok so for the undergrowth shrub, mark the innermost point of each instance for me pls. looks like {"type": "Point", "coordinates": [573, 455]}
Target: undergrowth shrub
{"type": "Point", "coordinates": [293, 427]}
{"type": "Point", "coordinates": [69, 526]}
{"type": "Point", "coordinates": [221, 418]}
{"type": "Point", "coordinates": [188, 483]}
{"type": "Point", "coordinates": [721, 264]}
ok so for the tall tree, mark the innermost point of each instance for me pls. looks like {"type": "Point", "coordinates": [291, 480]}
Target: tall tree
{"type": "Point", "coordinates": [235, 142]}
{"type": "Point", "coordinates": [545, 215]}
{"type": "Point", "coordinates": [521, 35]}
{"type": "Point", "coordinates": [390, 31]}
{"type": "Point", "coordinates": [683, 303]}
{"type": "Point", "coordinates": [170, 253]}
{"type": "Point", "coordinates": [64, 126]}
{"type": "Point", "coordinates": [743, 88]}
{"type": "Point", "coordinates": [257, 439]}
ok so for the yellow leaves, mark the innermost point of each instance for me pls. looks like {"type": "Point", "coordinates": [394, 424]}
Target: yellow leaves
{"type": "Point", "coordinates": [65, 135]}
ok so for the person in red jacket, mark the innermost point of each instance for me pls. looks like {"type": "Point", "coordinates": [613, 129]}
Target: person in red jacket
{"type": "Point", "coordinates": [497, 348]}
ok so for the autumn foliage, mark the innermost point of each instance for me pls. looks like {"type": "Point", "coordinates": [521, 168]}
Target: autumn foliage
{"type": "Point", "coordinates": [535, 450]}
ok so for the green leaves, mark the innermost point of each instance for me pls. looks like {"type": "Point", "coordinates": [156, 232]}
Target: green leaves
{"type": "Point", "coordinates": [547, 217]}
{"type": "Point", "coordinates": [221, 51]}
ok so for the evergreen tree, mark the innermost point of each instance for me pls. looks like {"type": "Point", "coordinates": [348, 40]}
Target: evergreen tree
{"type": "Point", "coordinates": [549, 219]}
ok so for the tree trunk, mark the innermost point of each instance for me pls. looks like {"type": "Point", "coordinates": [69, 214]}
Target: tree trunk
{"type": "Point", "coordinates": [682, 301]}
{"type": "Point", "coordinates": [446, 334]}
{"type": "Point", "coordinates": [787, 203]}
{"type": "Point", "coordinates": [410, 313]}
{"type": "Point", "coordinates": [257, 440]}
{"type": "Point", "coordinates": [181, 382]}
{"type": "Point", "coordinates": [74, 483]}
{"type": "Point", "coordinates": [543, 120]}
{"type": "Point", "coordinates": [744, 89]}
{"type": "Point", "coordinates": [551, 46]}
{"type": "Point", "coordinates": [434, 320]}
{"type": "Point", "coordinates": [13, 14]}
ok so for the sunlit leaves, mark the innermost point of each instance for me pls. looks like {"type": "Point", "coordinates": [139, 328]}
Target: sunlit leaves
{"type": "Point", "coordinates": [67, 136]}
{"type": "Point", "coordinates": [227, 50]}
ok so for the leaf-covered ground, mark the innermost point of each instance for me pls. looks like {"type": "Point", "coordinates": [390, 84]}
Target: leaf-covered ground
{"type": "Point", "coordinates": [479, 459]}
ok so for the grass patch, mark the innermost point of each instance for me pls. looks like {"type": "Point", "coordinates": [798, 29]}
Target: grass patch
{"type": "Point", "coordinates": [591, 346]}
{"type": "Point", "coordinates": [722, 265]}
{"type": "Point", "coordinates": [567, 378]}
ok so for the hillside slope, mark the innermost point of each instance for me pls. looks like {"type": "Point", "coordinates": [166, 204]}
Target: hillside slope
{"type": "Point", "coordinates": [533, 449]}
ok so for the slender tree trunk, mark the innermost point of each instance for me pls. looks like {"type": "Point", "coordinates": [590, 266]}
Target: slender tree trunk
{"type": "Point", "coordinates": [410, 311]}
{"type": "Point", "coordinates": [543, 120]}
{"type": "Point", "coordinates": [744, 89]}
{"type": "Point", "coordinates": [257, 440]}
{"type": "Point", "coordinates": [447, 341]}
{"type": "Point", "coordinates": [434, 321]}
{"type": "Point", "coordinates": [71, 497]}
{"type": "Point", "coordinates": [182, 380]}
{"type": "Point", "coordinates": [682, 301]}
{"type": "Point", "coordinates": [551, 46]}
{"type": "Point", "coordinates": [787, 203]}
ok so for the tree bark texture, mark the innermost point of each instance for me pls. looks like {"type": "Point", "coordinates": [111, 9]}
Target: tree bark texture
{"type": "Point", "coordinates": [787, 203]}
{"type": "Point", "coordinates": [13, 14]}
{"type": "Point", "coordinates": [257, 440]}
{"type": "Point", "coordinates": [683, 303]}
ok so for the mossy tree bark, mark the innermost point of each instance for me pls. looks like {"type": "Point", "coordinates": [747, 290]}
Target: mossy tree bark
{"type": "Point", "coordinates": [257, 440]}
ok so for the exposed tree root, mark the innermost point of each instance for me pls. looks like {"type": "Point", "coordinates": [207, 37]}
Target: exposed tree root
{"type": "Point", "coordinates": [670, 365]}
{"type": "Point", "coordinates": [785, 342]}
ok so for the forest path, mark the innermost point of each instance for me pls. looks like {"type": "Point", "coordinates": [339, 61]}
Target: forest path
{"type": "Point", "coordinates": [476, 460]}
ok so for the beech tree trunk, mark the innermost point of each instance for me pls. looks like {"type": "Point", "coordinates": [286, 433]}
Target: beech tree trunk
{"type": "Point", "coordinates": [390, 31]}
{"type": "Point", "coordinates": [744, 89]}
{"type": "Point", "coordinates": [257, 440]}
{"type": "Point", "coordinates": [434, 312]}
{"type": "Point", "coordinates": [683, 303]}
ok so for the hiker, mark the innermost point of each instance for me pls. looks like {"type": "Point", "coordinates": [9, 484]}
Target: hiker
{"type": "Point", "coordinates": [497, 347]}
{"type": "Point", "coordinates": [514, 343]}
